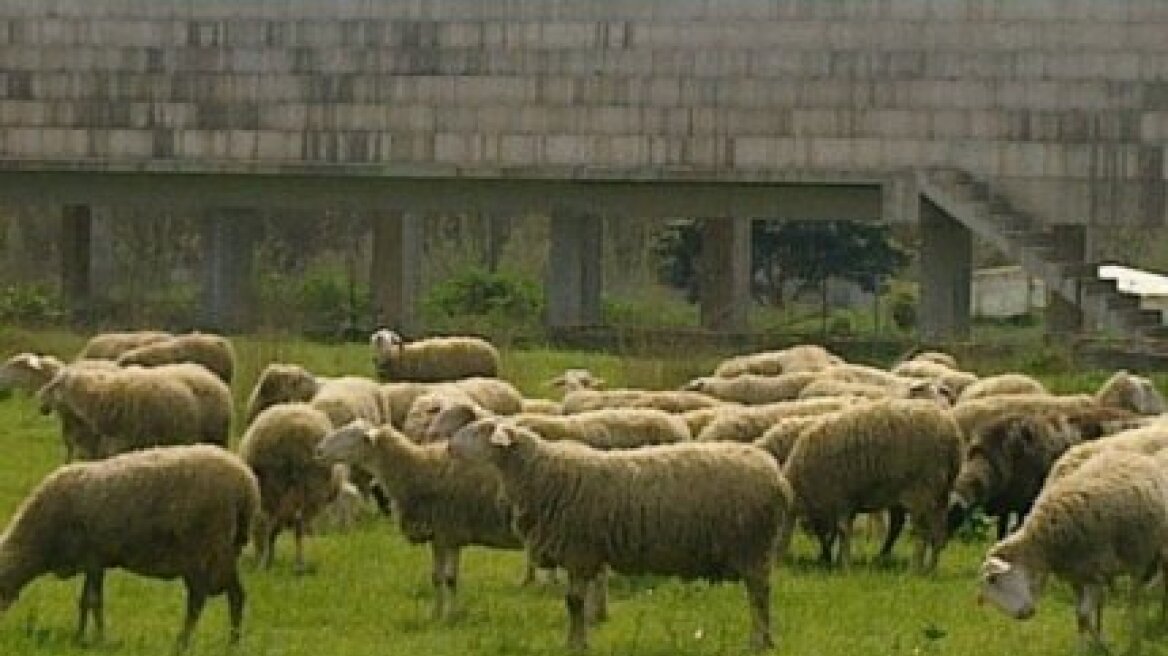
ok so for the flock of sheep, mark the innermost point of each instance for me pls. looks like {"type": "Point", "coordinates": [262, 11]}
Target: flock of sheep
{"type": "Point", "coordinates": [707, 482]}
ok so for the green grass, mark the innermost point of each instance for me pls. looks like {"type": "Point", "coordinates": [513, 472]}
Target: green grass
{"type": "Point", "coordinates": [369, 592]}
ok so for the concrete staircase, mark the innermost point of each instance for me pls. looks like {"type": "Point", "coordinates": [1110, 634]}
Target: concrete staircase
{"type": "Point", "coordinates": [1027, 241]}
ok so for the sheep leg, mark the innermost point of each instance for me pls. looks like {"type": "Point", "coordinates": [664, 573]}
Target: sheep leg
{"type": "Point", "coordinates": [845, 541]}
{"type": "Point", "coordinates": [298, 530]}
{"type": "Point", "coordinates": [444, 577]}
{"type": "Point", "coordinates": [1087, 613]}
{"type": "Point", "coordinates": [896, 518]}
{"type": "Point", "coordinates": [758, 594]}
{"type": "Point", "coordinates": [1135, 609]}
{"type": "Point", "coordinates": [450, 579]}
{"type": "Point", "coordinates": [196, 599]}
{"type": "Point", "coordinates": [598, 597]}
{"type": "Point", "coordinates": [235, 599]}
{"type": "Point", "coordinates": [576, 599]}
{"type": "Point", "coordinates": [91, 601]}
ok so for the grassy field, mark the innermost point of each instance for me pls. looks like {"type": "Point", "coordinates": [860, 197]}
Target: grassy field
{"type": "Point", "coordinates": [369, 591]}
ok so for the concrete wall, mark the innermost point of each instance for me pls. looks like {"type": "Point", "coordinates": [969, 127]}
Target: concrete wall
{"type": "Point", "coordinates": [1005, 292]}
{"type": "Point", "coordinates": [1064, 103]}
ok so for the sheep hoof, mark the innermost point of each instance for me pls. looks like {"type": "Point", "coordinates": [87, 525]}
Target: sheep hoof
{"type": "Point", "coordinates": [762, 643]}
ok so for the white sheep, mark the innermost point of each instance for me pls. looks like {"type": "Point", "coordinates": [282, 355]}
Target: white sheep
{"type": "Point", "coordinates": [748, 423]}
{"type": "Point", "coordinates": [108, 346]}
{"type": "Point", "coordinates": [752, 389]}
{"type": "Point", "coordinates": [214, 352]}
{"type": "Point", "coordinates": [1107, 519]}
{"type": "Point", "coordinates": [175, 512]}
{"type": "Point", "coordinates": [434, 359]}
{"type": "Point", "coordinates": [804, 357]}
{"type": "Point", "coordinates": [712, 511]}
{"type": "Point", "coordinates": [574, 380]}
{"type": "Point", "coordinates": [669, 401]}
{"type": "Point", "coordinates": [1002, 385]}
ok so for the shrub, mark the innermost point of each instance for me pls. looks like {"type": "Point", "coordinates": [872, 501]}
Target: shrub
{"type": "Point", "coordinates": [904, 310]}
{"type": "Point", "coordinates": [30, 304]}
{"type": "Point", "coordinates": [501, 305]}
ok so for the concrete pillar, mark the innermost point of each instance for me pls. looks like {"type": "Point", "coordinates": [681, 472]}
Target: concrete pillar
{"type": "Point", "coordinates": [75, 273]}
{"type": "Point", "coordinates": [1070, 245]}
{"type": "Point", "coordinates": [946, 276]}
{"type": "Point", "coordinates": [574, 277]}
{"type": "Point", "coordinates": [724, 274]}
{"type": "Point", "coordinates": [395, 270]}
{"type": "Point", "coordinates": [228, 294]}
{"type": "Point", "coordinates": [498, 229]}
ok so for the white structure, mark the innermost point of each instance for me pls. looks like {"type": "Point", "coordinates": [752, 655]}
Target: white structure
{"type": "Point", "coordinates": [1004, 292]}
{"type": "Point", "coordinates": [1152, 288]}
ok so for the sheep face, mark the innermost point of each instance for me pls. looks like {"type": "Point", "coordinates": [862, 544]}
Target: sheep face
{"type": "Point", "coordinates": [481, 440]}
{"type": "Point", "coordinates": [449, 421]}
{"type": "Point", "coordinates": [347, 444]}
{"type": "Point", "coordinates": [1007, 586]}
{"type": "Point", "coordinates": [385, 341]}
{"type": "Point", "coordinates": [574, 380]}
{"type": "Point", "coordinates": [25, 371]}
{"type": "Point", "coordinates": [1148, 400]}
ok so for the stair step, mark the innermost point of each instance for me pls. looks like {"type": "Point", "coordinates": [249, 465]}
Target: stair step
{"type": "Point", "coordinates": [1077, 269]}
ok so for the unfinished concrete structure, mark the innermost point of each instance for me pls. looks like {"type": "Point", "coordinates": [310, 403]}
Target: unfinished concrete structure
{"type": "Point", "coordinates": [1028, 124]}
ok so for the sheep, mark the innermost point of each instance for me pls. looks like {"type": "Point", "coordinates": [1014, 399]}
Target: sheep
{"type": "Point", "coordinates": [780, 439]}
{"type": "Point", "coordinates": [936, 357]}
{"type": "Point", "coordinates": [175, 512]}
{"type": "Point", "coordinates": [280, 447]}
{"type": "Point", "coordinates": [953, 379]}
{"type": "Point", "coordinates": [1002, 385]}
{"type": "Point", "coordinates": [122, 409]}
{"type": "Point", "coordinates": [437, 499]}
{"type": "Point", "coordinates": [346, 398]}
{"type": "Point", "coordinates": [610, 428]}
{"type": "Point", "coordinates": [1007, 461]}
{"type": "Point", "coordinates": [749, 423]}
{"type": "Point", "coordinates": [344, 511]}
{"type": "Point", "coordinates": [675, 402]}
{"type": "Point", "coordinates": [1149, 439]}
{"type": "Point", "coordinates": [541, 407]}
{"type": "Point", "coordinates": [1135, 393]}
{"type": "Point", "coordinates": [830, 388]}
{"type": "Point", "coordinates": [431, 360]}
{"type": "Point", "coordinates": [108, 346]}
{"type": "Point", "coordinates": [280, 383]}
{"type": "Point", "coordinates": [214, 352]}
{"type": "Point", "coordinates": [574, 380]}
{"type": "Point", "coordinates": [29, 372]}
{"type": "Point", "coordinates": [860, 373]}
{"type": "Point", "coordinates": [873, 457]}
{"type": "Point", "coordinates": [752, 389]}
{"type": "Point", "coordinates": [804, 357]}
{"type": "Point", "coordinates": [697, 420]}
{"type": "Point", "coordinates": [1108, 519]}
{"type": "Point", "coordinates": [492, 393]}
{"type": "Point", "coordinates": [659, 509]}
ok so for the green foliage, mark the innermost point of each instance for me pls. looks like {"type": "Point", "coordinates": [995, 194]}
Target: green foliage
{"type": "Point", "coordinates": [903, 308]}
{"type": "Point", "coordinates": [324, 302]}
{"type": "Point", "coordinates": [502, 305]}
{"type": "Point", "coordinates": [30, 305]}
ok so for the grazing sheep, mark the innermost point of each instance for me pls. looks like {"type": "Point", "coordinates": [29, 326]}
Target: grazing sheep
{"type": "Point", "coordinates": [214, 352]}
{"type": "Point", "coordinates": [541, 407]}
{"type": "Point", "coordinates": [438, 500]}
{"type": "Point", "coordinates": [804, 357]}
{"type": "Point", "coordinates": [610, 428]}
{"type": "Point", "coordinates": [953, 379]}
{"type": "Point", "coordinates": [280, 448]}
{"type": "Point", "coordinates": [108, 346]}
{"type": "Point", "coordinates": [780, 438]}
{"type": "Point", "coordinates": [1131, 392]}
{"type": "Point", "coordinates": [1002, 385]}
{"type": "Point", "coordinates": [280, 383]}
{"type": "Point", "coordinates": [574, 380]}
{"type": "Point", "coordinates": [212, 395]}
{"type": "Point", "coordinates": [123, 409]}
{"type": "Point", "coordinates": [750, 422]}
{"type": "Point", "coordinates": [28, 371]}
{"type": "Point", "coordinates": [1007, 461]}
{"type": "Point", "coordinates": [972, 415]}
{"type": "Point", "coordinates": [752, 389]}
{"type": "Point", "coordinates": [1148, 439]}
{"type": "Point", "coordinates": [1108, 519]}
{"type": "Point", "coordinates": [432, 360]}
{"type": "Point", "coordinates": [872, 457]}
{"type": "Point", "coordinates": [675, 402]}
{"type": "Point", "coordinates": [175, 512]}
{"type": "Point", "coordinates": [346, 398]}
{"type": "Point", "coordinates": [659, 510]}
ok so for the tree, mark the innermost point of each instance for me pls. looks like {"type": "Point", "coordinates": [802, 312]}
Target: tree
{"type": "Point", "coordinates": [811, 252]}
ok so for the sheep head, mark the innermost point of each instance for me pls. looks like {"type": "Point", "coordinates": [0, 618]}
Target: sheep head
{"type": "Point", "coordinates": [483, 440]}
{"type": "Point", "coordinates": [28, 371]}
{"type": "Point", "coordinates": [1007, 586]}
{"type": "Point", "coordinates": [449, 420]}
{"type": "Point", "coordinates": [574, 380]}
{"type": "Point", "coordinates": [347, 444]}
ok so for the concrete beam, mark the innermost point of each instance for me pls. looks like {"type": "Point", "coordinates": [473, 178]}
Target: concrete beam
{"type": "Point", "coordinates": [574, 279]}
{"type": "Point", "coordinates": [395, 270]}
{"type": "Point", "coordinates": [76, 237]}
{"type": "Point", "coordinates": [946, 276]}
{"type": "Point", "coordinates": [228, 294]}
{"type": "Point", "coordinates": [724, 274]}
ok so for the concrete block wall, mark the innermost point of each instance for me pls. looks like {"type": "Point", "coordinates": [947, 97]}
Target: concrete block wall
{"type": "Point", "coordinates": [1064, 103]}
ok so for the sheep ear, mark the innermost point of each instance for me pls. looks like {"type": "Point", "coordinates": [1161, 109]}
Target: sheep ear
{"type": "Point", "coordinates": [994, 566]}
{"type": "Point", "coordinates": [501, 436]}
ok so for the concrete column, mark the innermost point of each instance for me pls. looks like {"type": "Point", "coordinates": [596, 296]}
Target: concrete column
{"type": "Point", "coordinates": [1070, 245]}
{"type": "Point", "coordinates": [75, 268]}
{"type": "Point", "coordinates": [574, 277]}
{"type": "Point", "coordinates": [946, 276]}
{"type": "Point", "coordinates": [724, 282]}
{"type": "Point", "coordinates": [228, 237]}
{"type": "Point", "coordinates": [395, 270]}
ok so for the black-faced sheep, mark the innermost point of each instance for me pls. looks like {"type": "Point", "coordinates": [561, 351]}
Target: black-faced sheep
{"type": "Point", "coordinates": [658, 509]}
{"type": "Point", "coordinates": [280, 448]}
{"type": "Point", "coordinates": [872, 457]}
{"type": "Point", "coordinates": [1007, 461]}
{"type": "Point", "coordinates": [804, 357]}
{"type": "Point", "coordinates": [214, 352]}
{"type": "Point", "coordinates": [174, 512]}
{"type": "Point", "coordinates": [438, 500]}
{"type": "Point", "coordinates": [108, 346]}
{"type": "Point", "coordinates": [1107, 519]}
{"type": "Point", "coordinates": [432, 360]}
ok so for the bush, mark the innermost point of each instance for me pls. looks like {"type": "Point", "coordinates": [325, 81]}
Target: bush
{"type": "Point", "coordinates": [501, 305]}
{"type": "Point", "coordinates": [30, 304]}
{"type": "Point", "coordinates": [904, 310]}
{"type": "Point", "coordinates": [320, 303]}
